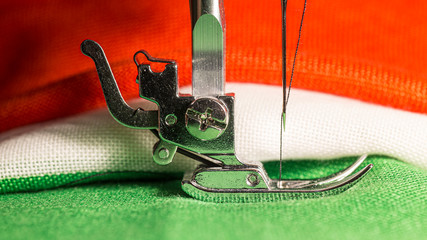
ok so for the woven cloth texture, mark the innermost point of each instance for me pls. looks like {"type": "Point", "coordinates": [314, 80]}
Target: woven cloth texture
{"type": "Point", "coordinates": [369, 50]}
{"type": "Point", "coordinates": [389, 203]}
{"type": "Point", "coordinates": [372, 51]}
{"type": "Point", "coordinates": [319, 126]}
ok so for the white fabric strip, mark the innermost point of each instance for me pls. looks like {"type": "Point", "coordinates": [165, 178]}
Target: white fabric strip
{"type": "Point", "coordinates": [319, 126]}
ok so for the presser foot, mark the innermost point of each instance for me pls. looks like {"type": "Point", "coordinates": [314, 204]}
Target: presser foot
{"type": "Point", "coordinates": [250, 183]}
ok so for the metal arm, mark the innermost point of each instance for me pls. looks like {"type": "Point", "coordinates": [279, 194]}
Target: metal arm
{"type": "Point", "coordinates": [119, 109]}
{"type": "Point", "coordinates": [201, 125]}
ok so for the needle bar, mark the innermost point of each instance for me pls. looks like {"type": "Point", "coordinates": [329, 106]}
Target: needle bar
{"type": "Point", "coordinates": [208, 33]}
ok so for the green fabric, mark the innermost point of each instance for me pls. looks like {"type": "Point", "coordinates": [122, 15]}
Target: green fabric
{"type": "Point", "coordinates": [389, 203]}
{"type": "Point", "coordinates": [26, 184]}
{"type": "Point", "coordinates": [292, 169]}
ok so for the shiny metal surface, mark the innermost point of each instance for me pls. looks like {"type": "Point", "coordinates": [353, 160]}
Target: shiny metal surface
{"type": "Point", "coordinates": [201, 126]}
{"type": "Point", "coordinates": [245, 195]}
{"type": "Point", "coordinates": [164, 152]}
{"type": "Point", "coordinates": [119, 109]}
{"type": "Point", "coordinates": [233, 182]}
{"type": "Point", "coordinates": [252, 180]}
{"type": "Point", "coordinates": [206, 118]}
{"type": "Point", "coordinates": [170, 119]}
{"type": "Point", "coordinates": [162, 89]}
{"type": "Point", "coordinates": [227, 179]}
{"type": "Point", "coordinates": [208, 35]}
{"type": "Point", "coordinates": [222, 171]}
{"type": "Point", "coordinates": [325, 181]}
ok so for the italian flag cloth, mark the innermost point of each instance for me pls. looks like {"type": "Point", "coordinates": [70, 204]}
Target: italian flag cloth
{"type": "Point", "coordinates": [359, 88]}
{"type": "Point", "coordinates": [319, 126]}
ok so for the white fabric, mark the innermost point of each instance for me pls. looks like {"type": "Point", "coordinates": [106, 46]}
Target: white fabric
{"type": "Point", "coordinates": [319, 126]}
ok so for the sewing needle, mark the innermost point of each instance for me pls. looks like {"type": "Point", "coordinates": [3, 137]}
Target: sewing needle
{"type": "Point", "coordinates": [283, 115]}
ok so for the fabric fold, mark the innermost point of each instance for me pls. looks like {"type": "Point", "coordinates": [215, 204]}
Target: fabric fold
{"type": "Point", "coordinates": [319, 126]}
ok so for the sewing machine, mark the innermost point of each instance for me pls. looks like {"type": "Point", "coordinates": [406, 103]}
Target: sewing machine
{"type": "Point", "coordinates": [201, 126]}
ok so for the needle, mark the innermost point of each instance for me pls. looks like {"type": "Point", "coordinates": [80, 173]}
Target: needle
{"type": "Point", "coordinates": [286, 97]}
{"type": "Point", "coordinates": [283, 116]}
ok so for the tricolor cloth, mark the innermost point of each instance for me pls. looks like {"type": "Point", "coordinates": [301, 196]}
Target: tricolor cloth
{"type": "Point", "coordinates": [360, 87]}
{"type": "Point", "coordinates": [319, 126]}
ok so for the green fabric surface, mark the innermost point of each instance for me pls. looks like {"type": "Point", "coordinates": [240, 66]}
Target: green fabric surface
{"type": "Point", "coordinates": [300, 169]}
{"type": "Point", "coordinates": [25, 184]}
{"type": "Point", "coordinates": [389, 203]}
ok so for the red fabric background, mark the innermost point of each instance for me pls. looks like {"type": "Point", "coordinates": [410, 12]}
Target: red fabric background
{"type": "Point", "coordinates": [375, 51]}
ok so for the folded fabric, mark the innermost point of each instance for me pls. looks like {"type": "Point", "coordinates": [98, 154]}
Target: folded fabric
{"type": "Point", "coordinates": [373, 51]}
{"type": "Point", "coordinates": [318, 126]}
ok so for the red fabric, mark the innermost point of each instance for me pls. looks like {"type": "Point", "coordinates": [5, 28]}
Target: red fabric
{"type": "Point", "coordinates": [375, 51]}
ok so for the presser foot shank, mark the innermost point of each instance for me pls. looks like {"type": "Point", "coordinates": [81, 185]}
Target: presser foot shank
{"type": "Point", "coordinates": [250, 183]}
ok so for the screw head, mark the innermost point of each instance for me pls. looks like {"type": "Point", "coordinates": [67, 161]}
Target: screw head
{"type": "Point", "coordinates": [206, 118]}
{"type": "Point", "coordinates": [163, 153]}
{"type": "Point", "coordinates": [170, 119]}
{"type": "Point", "coordinates": [252, 180]}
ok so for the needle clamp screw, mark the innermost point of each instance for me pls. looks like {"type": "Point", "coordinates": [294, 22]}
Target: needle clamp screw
{"type": "Point", "coordinates": [206, 118]}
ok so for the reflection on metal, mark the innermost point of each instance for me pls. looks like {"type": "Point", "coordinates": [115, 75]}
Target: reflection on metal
{"type": "Point", "coordinates": [208, 25]}
{"type": "Point", "coordinates": [201, 126]}
{"type": "Point", "coordinates": [164, 152]}
{"type": "Point", "coordinates": [206, 118]}
{"type": "Point", "coordinates": [121, 111]}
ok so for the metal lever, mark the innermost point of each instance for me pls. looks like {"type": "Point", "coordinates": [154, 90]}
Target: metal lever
{"type": "Point", "coordinates": [119, 109]}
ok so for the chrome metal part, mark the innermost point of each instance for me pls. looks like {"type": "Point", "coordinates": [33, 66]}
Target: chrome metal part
{"type": "Point", "coordinates": [233, 183]}
{"type": "Point", "coordinates": [162, 89]}
{"type": "Point", "coordinates": [119, 109]}
{"type": "Point", "coordinates": [206, 118]}
{"type": "Point", "coordinates": [252, 180]}
{"type": "Point", "coordinates": [208, 32]}
{"type": "Point", "coordinates": [164, 152]}
{"type": "Point", "coordinates": [170, 119]}
{"type": "Point", "coordinates": [201, 126]}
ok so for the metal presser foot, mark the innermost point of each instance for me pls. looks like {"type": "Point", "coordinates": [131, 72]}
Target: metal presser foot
{"type": "Point", "coordinates": [201, 126]}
